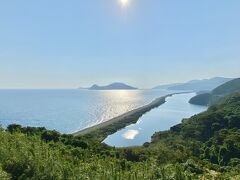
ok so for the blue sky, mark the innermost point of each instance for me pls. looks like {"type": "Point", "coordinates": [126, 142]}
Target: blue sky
{"type": "Point", "coordinates": [66, 44]}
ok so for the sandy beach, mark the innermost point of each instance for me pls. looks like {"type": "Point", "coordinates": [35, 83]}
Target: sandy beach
{"type": "Point", "coordinates": [126, 117]}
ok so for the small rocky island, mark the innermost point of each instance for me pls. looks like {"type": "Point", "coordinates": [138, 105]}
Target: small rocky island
{"type": "Point", "coordinates": [113, 86]}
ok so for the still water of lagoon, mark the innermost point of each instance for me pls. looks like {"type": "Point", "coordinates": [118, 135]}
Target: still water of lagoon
{"type": "Point", "coordinates": [159, 119]}
{"type": "Point", "coordinates": [68, 111]}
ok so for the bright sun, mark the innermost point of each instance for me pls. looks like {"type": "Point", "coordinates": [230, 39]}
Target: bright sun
{"type": "Point", "coordinates": [124, 2]}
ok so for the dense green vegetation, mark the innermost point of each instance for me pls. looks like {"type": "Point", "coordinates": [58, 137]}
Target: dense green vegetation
{"type": "Point", "coordinates": [228, 87]}
{"type": "Point", "coordinates": [204, 146]}
{"type": "Point", "coordinates": [201, 99]}
{"type": "Point", "coordinates": [217, 94]}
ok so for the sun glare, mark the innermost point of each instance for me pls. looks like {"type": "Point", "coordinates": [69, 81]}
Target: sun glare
{"type": "Point", "coordinates": [124, 3]}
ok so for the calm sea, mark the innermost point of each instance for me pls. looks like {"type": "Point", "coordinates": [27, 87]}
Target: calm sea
{"type": "Point", "coordinates": [68, 111]}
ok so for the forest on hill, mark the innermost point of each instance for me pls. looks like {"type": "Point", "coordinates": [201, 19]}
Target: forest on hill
{"type": "Point", "coordinates": [217, 94]}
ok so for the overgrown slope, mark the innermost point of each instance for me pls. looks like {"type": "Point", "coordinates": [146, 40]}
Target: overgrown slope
{"type": "Point", "coordinates": [217, 94]}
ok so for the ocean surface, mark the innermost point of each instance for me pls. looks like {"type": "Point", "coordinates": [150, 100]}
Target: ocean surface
{"type": "Point", "coordinates": [68, 111]}
{"type": "Point", "coordinates": [159, 119]}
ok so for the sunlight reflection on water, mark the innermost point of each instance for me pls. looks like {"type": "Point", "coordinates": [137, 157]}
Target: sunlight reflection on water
{"type": "Point", "coordinates": [130, 134]}
{"type": "Point", "coordinates": [69, 110]}
{"type": "Point", "coordinates": [162, 118]}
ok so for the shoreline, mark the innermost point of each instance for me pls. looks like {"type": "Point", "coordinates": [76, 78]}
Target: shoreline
{"type": "Point", "coordinates": [113, 125]}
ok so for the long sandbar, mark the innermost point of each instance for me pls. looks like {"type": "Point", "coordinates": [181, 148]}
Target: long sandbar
{"type": "Point", "coordinates": [111, 126]}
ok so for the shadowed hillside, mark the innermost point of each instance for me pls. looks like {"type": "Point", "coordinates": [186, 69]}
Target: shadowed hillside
{"type": "Point", "coordinates": [216, 94]}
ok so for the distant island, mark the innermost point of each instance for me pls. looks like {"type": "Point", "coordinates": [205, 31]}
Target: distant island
{"type": "Point", "coordinates": [196, 85]}
{"type": "Point", "coordinates": [113, 86]}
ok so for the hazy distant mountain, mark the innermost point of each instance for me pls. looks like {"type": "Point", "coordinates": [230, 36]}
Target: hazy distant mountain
{"type": "Point", "coordinates": [202, 85]}
{"type": "Point", "coordinates": [166, 86]}
{"type": "Point", "coordinates": [82, 88]}
{"type": "Point", "coordinates": [198, 85]}
{"type": "Point", "coordinates": [113, 86]}
{"type": "Point", "coordinates": [216, 94]}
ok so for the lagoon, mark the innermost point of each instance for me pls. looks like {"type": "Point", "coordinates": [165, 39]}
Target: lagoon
{"type": "Point", "coordinates": [159, 119]}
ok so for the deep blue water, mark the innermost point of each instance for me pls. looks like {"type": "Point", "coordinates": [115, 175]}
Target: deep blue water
{"type": "Point", "coordinates": [68, 111]}
{"type": "Point", "coordinates": [162, 118]}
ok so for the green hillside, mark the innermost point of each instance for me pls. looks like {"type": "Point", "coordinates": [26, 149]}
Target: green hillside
{"type": "Point", "coordinates": [217, 94]}
{"type": "Point", "coordinates": [228, 87]}
{"type": "Point", "coordinates": [203, 146]}
{"type": "Point", "coordinates": [200, 99]}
